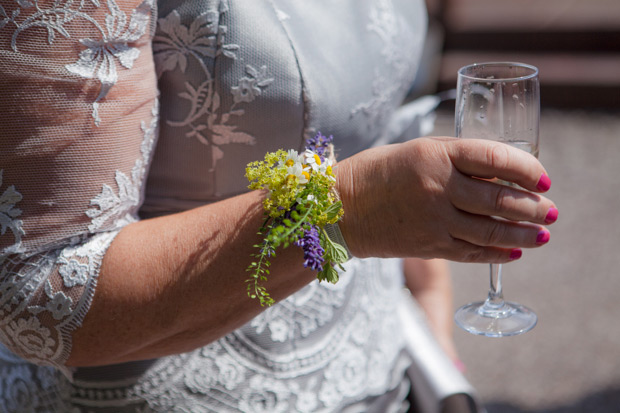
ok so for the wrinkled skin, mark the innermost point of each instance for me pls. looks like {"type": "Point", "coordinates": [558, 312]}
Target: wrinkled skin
{"type": "Point", "coordinates": [431, 198]}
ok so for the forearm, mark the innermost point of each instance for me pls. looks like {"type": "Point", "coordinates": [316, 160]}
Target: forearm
{"type": "Point", "coordinates": [424, 276]}
{"type": "Point", "coordinates": [175, 283]}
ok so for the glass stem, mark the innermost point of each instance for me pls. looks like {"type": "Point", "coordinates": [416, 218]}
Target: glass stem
{"type": "Point", "coordinates": [495, 300]}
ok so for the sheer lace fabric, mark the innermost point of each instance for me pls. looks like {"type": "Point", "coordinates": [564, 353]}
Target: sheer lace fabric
{"type": "Point", "coordinates": [69, 135]}
{"type": "Point", "coordinates": [85, 147]}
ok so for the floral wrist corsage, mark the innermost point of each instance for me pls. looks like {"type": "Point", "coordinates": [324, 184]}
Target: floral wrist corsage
{"type": "Point", "coordinates": [300, 203]}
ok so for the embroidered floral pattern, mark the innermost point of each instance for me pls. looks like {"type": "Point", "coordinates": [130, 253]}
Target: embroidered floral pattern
{"type": "Point", "coordinates": [110, 206]}
{"type": "Point", "coordinates": [111, 209]}
{"type": "Point", "coordinates": [98, 60]}
{"type": "Point", "coordinates": [202, 377]}
{"type": "Point", "coordinates": [34, 339]}
{"type": "Point", "coordinates": [347, 373]}
{"type": "Point", "coordinates": [224, 377]}
{"type": "Point", "coordinates": [20, 390]}
{"type": "Point", "coordinates": [59, 304]}
{"type": "Point", "coordinates": [387, 85]}
{"type": "Point", "coordinates": [316, 382]}
{"type": "Point", "coordinates": [27, 388]}
{"type": "Point", "coordinates": [73, 273]}
{"type": "Point", "coordinates": [27, 292]}
{"type": "Point", "coordinates": [203, 40]}
{"type": "Point", "coordinates": [230, 373]}
{"type": "Point", "coordinates": [9, 213]}
{"type": "Point", "coordinates": [250, 87]}
{"type": "Point", "coordinates": [265, 396]}
{"type": "Point", "coordinates": [284, 321]}
{"type": "Point", "coordinates": [307, 400]}
{"type": "Point", "coordinates": [175, 42]}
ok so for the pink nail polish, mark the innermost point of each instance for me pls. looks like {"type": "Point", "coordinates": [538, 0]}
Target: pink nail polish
{"type": "Point", "coordinates": [543, 237]}
{"type": "Point", "coordinates": [552, 215]}
{"type": "Point", "coordinates": [515, 254]}
{"type": "Point", "coordinates": [544, 183]}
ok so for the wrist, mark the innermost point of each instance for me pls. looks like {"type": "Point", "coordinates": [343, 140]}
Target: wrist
{"type": "Point", "coordinates": [349, 190]}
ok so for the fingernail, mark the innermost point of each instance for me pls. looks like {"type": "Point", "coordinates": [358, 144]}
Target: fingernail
{"type": "Point", "coordinates": [460, 366]}
{"type": "Point", "coordinates": [515, 254]}
{"type": "Point", "coordinates": [552, 215]}
{"type": "Point", "coordinates": [544, 183]}
{"type": "Point", "coordinates": [543, 237]}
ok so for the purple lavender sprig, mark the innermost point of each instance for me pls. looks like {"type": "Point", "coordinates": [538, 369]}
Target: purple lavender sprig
{"type": "Point", "coordinates": [319, 144]}
{"type": "Point", "coordinates": [313, 251]}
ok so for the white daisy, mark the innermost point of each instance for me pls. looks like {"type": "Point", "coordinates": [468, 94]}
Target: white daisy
{"type": "Point", "coordinates": [325, 165]}
{"type": "Point", "coordinates": [302, 174]}
{"type": "Point", "coordinates": [292, 158]}
{"type": "Point", "coordinates": [312, 159]}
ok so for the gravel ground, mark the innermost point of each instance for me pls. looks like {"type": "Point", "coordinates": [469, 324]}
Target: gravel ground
{"type": "Point", "coordinates": [571, 361]}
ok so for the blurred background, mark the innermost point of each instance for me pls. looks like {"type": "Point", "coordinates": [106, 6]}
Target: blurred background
{"type": "Point", "coordinates": [571, 361]}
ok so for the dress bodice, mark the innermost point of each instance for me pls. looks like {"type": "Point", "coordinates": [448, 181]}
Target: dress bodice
{"type": "Point", "coordinates": [232, 89]}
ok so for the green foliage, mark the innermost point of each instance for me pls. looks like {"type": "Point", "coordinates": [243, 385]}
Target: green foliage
{"type": "Point", "coordinates": [300, 194]}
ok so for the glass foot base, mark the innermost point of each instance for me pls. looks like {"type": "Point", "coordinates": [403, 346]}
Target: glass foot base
{"type": "Point", "coordinates": [509, 319]}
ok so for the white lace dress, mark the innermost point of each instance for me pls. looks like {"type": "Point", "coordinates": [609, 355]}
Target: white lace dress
{"type": "Point", "coordinates": [118, 110]}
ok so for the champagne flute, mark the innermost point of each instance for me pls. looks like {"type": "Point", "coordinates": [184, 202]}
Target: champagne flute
{"type": "Point", "coordinates": [498, 101]}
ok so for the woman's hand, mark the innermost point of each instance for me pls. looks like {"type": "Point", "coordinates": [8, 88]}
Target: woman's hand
{"type": "Point", "coordinates": [431, 198]}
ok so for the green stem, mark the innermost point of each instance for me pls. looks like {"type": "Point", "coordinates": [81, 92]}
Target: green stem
{"type": "Point", "coordinates": [297, 224]}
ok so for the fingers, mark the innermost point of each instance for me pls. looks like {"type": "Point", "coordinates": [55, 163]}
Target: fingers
{"type": "Point", "coordinates": [466, 252]}
{"type": "Point", "coordinates": [493, 232]}
{"type": "Point", "coordinates": [489, 159]}
{"type": "Point", "coordinates": [487, 198]}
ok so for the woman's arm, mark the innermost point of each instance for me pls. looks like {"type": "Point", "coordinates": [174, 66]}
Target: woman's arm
{"type": "Point", "coordinates": [174, 283]}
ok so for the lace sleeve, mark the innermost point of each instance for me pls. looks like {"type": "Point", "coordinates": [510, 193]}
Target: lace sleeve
{"type": "Point", "coordinates": [79, 116]}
